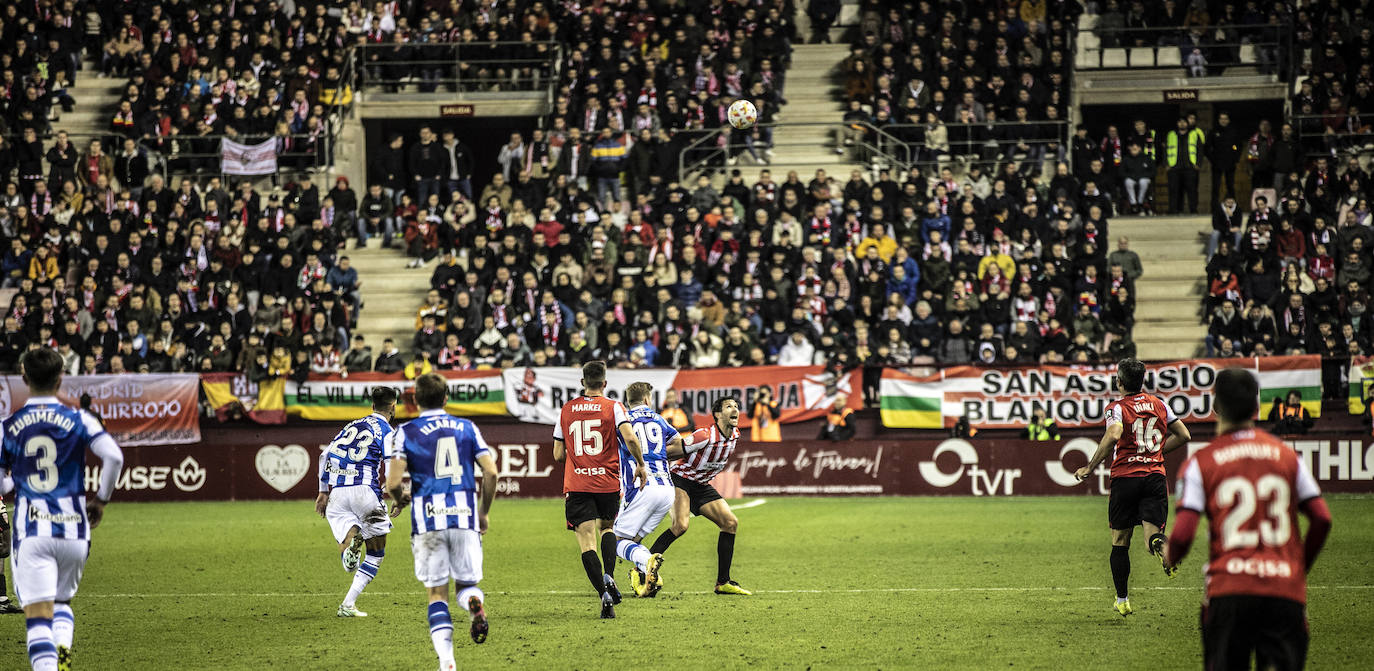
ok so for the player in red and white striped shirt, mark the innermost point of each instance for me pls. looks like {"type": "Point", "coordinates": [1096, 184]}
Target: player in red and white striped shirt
{"type": "Point", "coordinates": [708, 452]}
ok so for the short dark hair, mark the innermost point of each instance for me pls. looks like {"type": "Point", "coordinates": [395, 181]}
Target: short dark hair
{"type": "Point", "coordinates": [1237, 395]}
{"type": "Point", "coordinates": [638, 392]}
{"type": "Point", "coordinates": [383, 397]}
{"type": "Point", "coordinates": [42, 369]}
{"type": "Point", "coordinates": [1131, 374]}
{"type": "Point", "coordinates": [431, 391]}
{"type": "Point", "coordinates": [594, 374]}
{"type": "Point", "coordinates": [719, 404]}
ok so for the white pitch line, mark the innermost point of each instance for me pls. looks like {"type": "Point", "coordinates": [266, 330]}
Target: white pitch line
{"type": "Point", "coordinates": [940, 590]}
{"type": "Point", "coordinates": [752, 504]}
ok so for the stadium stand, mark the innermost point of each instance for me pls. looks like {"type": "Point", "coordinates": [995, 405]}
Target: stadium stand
{"type": "Point", "coordinates": [965, 219]}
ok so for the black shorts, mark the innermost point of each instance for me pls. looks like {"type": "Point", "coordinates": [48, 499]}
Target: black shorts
{"type": "Point", "coordinates": [1136, 500]}
{"type": "Point", "coordinates": [580, 507]}
{"type": "Point", "coordinates": [698, 494]}
{"type": "Point", "coordinates": [1271, 629]}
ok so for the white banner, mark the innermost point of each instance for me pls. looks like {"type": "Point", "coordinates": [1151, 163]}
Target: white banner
{"type": "Point", "coordinates": [247, 159]}
{"type": "Point", "coordinates": [537, 394]}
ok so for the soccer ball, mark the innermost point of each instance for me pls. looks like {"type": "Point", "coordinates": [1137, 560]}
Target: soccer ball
{"type": "Point", "coordinates": [742, 114]}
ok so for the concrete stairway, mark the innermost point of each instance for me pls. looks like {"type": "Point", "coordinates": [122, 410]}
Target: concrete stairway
{"type": "Point", "coordinates": [1168, 312]}
{"type": "Point", "coordinates": [96, 100]}
{"type": "Point", "coordinates": [391, 293]}
{"type": "Point", "coordinates": [807, 134]}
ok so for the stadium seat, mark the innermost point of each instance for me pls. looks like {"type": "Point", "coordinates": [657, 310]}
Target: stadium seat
{"type": "Point", "coordinates": [1247, 54]}
{"type": "Point", "coordinates": [1087, 60]}
{"type": "Point", "coordinates": [1142, 57]}
{"type": "Point", "coordinates": [1168, 57]}
{"type": "Point", "coordinates": [1089, 41]}
{"type": "Point", "coordinates": [1113, 58]}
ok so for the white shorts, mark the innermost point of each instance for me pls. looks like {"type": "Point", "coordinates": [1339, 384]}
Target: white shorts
{"type": "Point", "coordinates": [447, 554]}
{"type": "Point", "coordinates": [639, 516]}
{"type": "Point", "coordinates": [356, 506]}
{"type": "Point", "coordinates": [48, 569]}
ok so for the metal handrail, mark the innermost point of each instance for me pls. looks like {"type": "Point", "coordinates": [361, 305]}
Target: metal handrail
{"type": "Point", "coordinates": [704, 152]}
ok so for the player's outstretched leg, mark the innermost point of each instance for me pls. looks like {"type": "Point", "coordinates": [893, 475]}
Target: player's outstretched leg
{"type": "Point", "coordinates": [441, 631]}
{"type": "Point", "coordinates": [474, 601]}
{"type": "Point", "coordinates": [372, 562]}
{"type": "Point", "coordinates": [42, 648]}
{"type": "Point", "coordinates": [63, 631]}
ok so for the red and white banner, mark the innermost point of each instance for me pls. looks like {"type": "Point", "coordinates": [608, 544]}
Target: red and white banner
{"type": "Point", "coordinates": [152, 409]}
{"type": "Point", "coordinates": [248, 159]}
{"type": "Point", "coordinates": [803, 392]}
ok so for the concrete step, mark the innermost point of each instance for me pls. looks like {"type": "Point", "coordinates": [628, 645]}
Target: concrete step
{"type": "Point", "coordinates": [1164, 289]}
{"type": "Point", "coordinates": [1160, 228]}
{"type": "Point", "coordinates": [1176, 268]}
{"type": "Point", "coordinates": [1164, 250]}
{"type": "Point", "coordinates": [1161, 351]}
{"type": "Point", "coordinates": [1160, 311]}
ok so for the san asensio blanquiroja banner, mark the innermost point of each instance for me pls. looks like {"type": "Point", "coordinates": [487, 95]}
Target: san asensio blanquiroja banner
{"type": "Point", "coordinates": [1074, 396]}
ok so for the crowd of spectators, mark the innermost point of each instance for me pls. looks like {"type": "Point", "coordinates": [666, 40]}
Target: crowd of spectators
{"type": "Point", "coordinates": [119, 270]}
{"type": "Point", "coordinates": [987, 81]}
{"type": "Point", "coordinates": [902, 270]}
{"type": "Point", "coordinates": [1288, 264]}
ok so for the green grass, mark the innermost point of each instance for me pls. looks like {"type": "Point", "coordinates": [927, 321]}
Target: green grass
{"type": "Point", "coordinates": [1004, 583]}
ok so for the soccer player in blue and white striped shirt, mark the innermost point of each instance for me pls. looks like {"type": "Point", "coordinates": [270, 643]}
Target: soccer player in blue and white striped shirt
{"type": "Point", "coordinates": [351, 494]}
{"type": "Point", "coordinates": [645, 506]}
{"type": "Point", "coordinates": [44, 457]}
{"type": "Point", "coordinates": [442, 454]}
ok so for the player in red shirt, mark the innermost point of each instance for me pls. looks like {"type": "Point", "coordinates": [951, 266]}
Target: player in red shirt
{"type": "Point", "coordinates": [1140, 495]}
{"type": "Point", "coordinates": [1251, 486]}
{"type": "Point", "coordinates": [707, 454]}
{"type": "Point", "coordinates": [591, 477]}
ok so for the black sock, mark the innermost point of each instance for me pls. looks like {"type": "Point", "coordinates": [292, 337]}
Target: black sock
{"type": "Point", "coordinates": [1121, 568]}
{"type": "Point", "coordinates": [593, 566]}
{"type": "Point", "coordinates": [725, 553]}
{"type": "Point", "coordinates": [608, 556]}
{"type": "Point", "coordinates": [664, 540]}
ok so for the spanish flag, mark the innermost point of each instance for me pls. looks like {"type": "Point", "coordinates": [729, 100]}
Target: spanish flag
{"type": "Point", "coordinates": [234, 397]}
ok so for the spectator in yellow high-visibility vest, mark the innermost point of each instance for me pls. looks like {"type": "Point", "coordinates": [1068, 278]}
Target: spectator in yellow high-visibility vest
{"type": "Point", "coordinates": [1182, 151]}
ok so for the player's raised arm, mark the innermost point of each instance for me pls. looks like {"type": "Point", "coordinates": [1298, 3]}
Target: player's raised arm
{"type": "Point", "coordinates": [1109, 437]}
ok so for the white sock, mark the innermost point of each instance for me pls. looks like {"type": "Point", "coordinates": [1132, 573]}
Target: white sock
{"type": "Point", "coordinates": [1121, 599]}
{"type": "Point", "coordinates": [467, 593]}
{"type": "Point", "coordinates": [633, 552]}
{"type": "Point", "coordinates": [42, 650]}
{"type": "Point", "coordinates": [63, 625]}
{"type": "Point", "coordinates": [364, 575]}
{"type": "Point", "coordinates": [441, 631]}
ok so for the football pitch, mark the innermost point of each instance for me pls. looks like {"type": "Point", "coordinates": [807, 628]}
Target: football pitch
{"type": "Point", "coordinates": [940, 583]}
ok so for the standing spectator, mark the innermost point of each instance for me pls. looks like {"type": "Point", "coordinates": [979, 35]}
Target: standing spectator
{"type": "Point", "coordinates": [428, 165]}
{"type": "Point", "coordinates": [823, 14]}
{"type": "Point", "coordinates": [389, 169]}
{"type": "Point", "coordinates": [511, 155]}
{"type": "Point", "coordinates": [1182, 149]}
{"type": "Point", "coordinates": [1223, 151]}
{"type": "Point", "coordinates": [1126, 258]}
{"type": "Point", "coordinates": [460, 166]}
{"type": "Point", "coordinates": [608, 159]}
